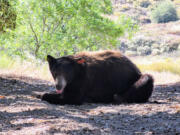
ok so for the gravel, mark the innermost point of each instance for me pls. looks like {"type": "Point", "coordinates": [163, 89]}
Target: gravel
{"type": "Point", "coordinates": [22, 114]}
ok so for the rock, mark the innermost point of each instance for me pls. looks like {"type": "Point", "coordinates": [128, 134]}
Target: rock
{"type": "Point", "coordinates": [155, 52]}
{"type": "Point", "coordinates": [155, 46]}
{"type": "Point", "coordinates": [131, 53]}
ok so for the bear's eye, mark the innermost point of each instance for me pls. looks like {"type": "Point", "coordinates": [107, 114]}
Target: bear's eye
{"type": "Point", "coordinates": [54, 73]}
{"type": "Point", "coordinates": [67, 67]}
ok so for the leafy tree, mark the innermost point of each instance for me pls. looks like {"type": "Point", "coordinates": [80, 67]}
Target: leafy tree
{"type": "Point", "coordinates": [60, 27]}
{"type": "Point", "coordinates": [7, 16]}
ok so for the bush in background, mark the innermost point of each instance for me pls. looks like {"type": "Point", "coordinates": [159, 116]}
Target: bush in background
{"type": "Point", "coordinates": [145, 3]}
{"type": "Point", "coordinates": [164, 12]}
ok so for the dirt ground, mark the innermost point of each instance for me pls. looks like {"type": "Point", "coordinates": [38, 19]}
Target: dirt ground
{"type": "Point", "coordinates": [22, 114]}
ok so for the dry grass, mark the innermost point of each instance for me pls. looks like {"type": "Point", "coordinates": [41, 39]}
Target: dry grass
{"type": "Point", "coordinates": [164, 77]}
{"type": "Point", "coordinates": [164, 70]}
{"type": "Point", "coordinates": [24, 68]}
{"type": "Point", "coordinates": [161, 65]}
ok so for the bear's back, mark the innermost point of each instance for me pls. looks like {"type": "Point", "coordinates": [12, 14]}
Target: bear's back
{"type": "Point", "coordinates": [95, 57]}
{"type": "Point", "coordinates": [108, 72]}
{"type": "Point", "coordinates": [99, 55]}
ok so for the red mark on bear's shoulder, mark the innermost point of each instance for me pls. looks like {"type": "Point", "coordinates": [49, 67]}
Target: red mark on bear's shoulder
{"type": "Point", "coordinates": [1, 97]}
{"type": "Point", "coordinates": [81, 61]}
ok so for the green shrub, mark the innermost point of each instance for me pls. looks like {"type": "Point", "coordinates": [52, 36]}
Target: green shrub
{"type": "Point", "coordinates": [164, 12]}
{"type": "Point", "coordinates": [145, 3]}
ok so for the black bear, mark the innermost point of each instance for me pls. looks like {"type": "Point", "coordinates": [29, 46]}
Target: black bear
{"type": "Point", "coordinates": [97, 77]}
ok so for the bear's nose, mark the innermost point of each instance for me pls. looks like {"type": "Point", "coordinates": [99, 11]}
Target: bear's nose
{"type": "Point", "coordinates": [58, 87]}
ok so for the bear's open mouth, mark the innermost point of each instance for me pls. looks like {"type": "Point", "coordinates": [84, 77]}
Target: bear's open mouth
{"type": "Point", "coordinates": [59, 91]}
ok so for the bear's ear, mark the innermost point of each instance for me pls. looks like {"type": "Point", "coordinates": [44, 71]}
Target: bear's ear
{"type": "Point", "coordinates": [51, 59]}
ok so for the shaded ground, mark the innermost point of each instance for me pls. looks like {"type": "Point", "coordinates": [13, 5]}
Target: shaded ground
{"type": "Point", "coordinates": [22, 114]}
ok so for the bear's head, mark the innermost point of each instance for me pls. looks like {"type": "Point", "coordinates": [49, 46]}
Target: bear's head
{"type": "Point", "coordinates": [64, 70]}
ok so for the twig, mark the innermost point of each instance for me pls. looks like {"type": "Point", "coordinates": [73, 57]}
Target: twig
{"type": "Point", "coordinates": [36, 38]}
{"type": "Point", "coordinates": [44, 24]}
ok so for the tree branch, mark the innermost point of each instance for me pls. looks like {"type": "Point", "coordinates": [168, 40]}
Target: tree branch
{"type": "Point", "coordinates": [36, 39]}
{"type": "Point", "coordinates": [44, 24]}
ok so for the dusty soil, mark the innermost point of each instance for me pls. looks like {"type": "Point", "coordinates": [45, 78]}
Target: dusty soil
{"type": "Point", "coordinates": [22, 114]}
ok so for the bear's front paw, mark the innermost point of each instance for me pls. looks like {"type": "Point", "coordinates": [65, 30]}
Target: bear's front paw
{"type": "Point", "coordinates": [36, 96]}
{"type": "Point", "coordinates": [42, 97]}
{"type": "Point", "coordinates": [39, 96]}
{"type": "Point", "coordinates": [45, 96]}
{"type": "Point", "coordinates": [52, 98]}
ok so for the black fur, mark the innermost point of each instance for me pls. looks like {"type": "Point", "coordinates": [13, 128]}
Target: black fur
{"type": "Point", "coordinates": [139, 92]}
{"type": "Point", "coordinates": [99, 77]}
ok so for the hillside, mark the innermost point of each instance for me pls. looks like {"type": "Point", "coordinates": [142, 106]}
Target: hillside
{"type": "Point", "coordinates": [151, 38]}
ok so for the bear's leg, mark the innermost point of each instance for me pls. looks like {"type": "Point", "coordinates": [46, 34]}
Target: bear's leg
{"type": "Point", "coordinates": [59, 99]}
{"type": "Point", "coordinates": [52, 98]}
{"type": "Point", "coordinates": [118, 99]}
{"type": "Point", "coordinates": [140, 92]}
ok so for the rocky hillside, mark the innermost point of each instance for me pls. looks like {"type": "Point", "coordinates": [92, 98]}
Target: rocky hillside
{"type": "Point", "coordinates": [152, 38]}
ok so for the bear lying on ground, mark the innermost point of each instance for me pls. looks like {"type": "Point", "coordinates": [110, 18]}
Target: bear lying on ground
{"type": "Point", "coordinates": [97, 77]}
